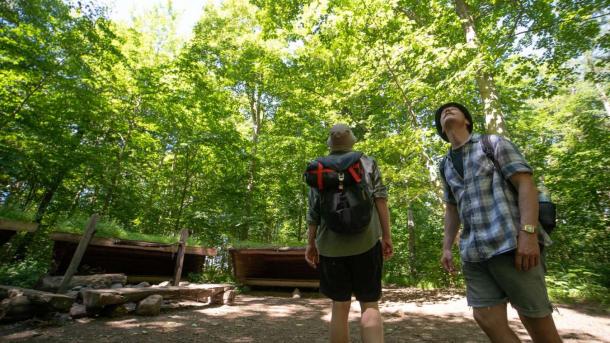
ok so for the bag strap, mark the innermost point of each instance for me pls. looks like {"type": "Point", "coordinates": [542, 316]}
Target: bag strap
{"type": "Point", "coordinates": [442, 168]}
{"type": "Point", "coordinates": [489, 152]}
{"type": "Point", "coordinates": [354, 170]}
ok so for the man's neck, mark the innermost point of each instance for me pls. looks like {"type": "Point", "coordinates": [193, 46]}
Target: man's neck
{"type": "Point", "coordinates": [458, 138]}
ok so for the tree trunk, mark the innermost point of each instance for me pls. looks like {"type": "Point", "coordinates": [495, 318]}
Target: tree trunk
{"type": "Point", "coordinates": [48, 196]}
{"type": "Point", "coordinates": [255, 112]}
{"type": "Point", "coordinates": [494, 118]}
{"type": "Point", "coordinates": [120, 158]}
{"type": "Point", "coordinates": [185, 187]}
{"type": "Point", "coordinates": [600, 88]}
{"type": "Point", "coordinates": [411, 230]}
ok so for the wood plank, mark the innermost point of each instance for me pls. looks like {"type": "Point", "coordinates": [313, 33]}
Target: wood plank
{"type": "Point", "coordinates": [281, 282]}
{"type": "Point", "coordinates": [58, 302]}
{"type": "Point", "coordinates": [15, 225]}
{"type": "Point", "coordinates": [98, 298]}
{"type": "Point", "coordinates": [184, 234]}
{"type": "Point", "coordinates": [136, 245]}
{"type": "Point", "coordinates": [78, 254]}
{"type": "Point", "coordinates": [288, 252]}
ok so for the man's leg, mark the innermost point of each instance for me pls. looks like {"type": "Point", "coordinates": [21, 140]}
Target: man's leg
{"type": "Point", "coordinates": [371, 323]}
{"type": "Point", "coordinates": [366, 270]}
{"type": "Point", "coordinates": [339, 330]}
{"type": "Point", "coordinates": [541, 330]}
{"type": "Point", "coordinates": [527, 293]}
{"type": "Point", "coordinates": [494, 322]}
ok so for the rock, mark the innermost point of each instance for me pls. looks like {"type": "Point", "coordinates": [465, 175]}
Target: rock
{"type": "Point", "coordinates": [131, 307]}
{"type": "Point", "coordinates": [164, 284]}
{"type": "Point", "coordinates": [18, 308]}
{"type": "Point", "coordinates": [4, 306]}
{"type": "Point", "coordinates": [73, 294]}
{"type": "Point", "coordinates": [114, 311]}
{"type": "Point", "coordinates": [296, 294]}
{"type": "Point", "coordinates": [15, 292]}
{"type": "Point", "coordinates": [60, 318]}
{"type": "Point", "coordinates": [223, 298]}
{"type": "Point", "coordinates": [78, 311]}
{"type": "Point", "coordinates": [150, 306]}
{"type": "Point", "coordinates": [19, 303]}
{"type": "Point", "coordinates": [116, 285]}
{"type": "Point", "coordinates": [97, 281]}
{"type": "Point", "coordinates": [183, 283]}
{"type": "Point", "coordinates": [142, 285]}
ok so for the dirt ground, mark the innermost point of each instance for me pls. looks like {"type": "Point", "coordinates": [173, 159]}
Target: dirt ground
{"type": "Point", "coordinates": [410, 315]}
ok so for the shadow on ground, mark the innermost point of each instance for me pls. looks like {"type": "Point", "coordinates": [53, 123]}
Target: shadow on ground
{"type": "Point", "coordinates": [277, 317]}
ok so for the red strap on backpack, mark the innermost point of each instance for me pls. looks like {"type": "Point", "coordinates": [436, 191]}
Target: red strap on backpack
{"type": "Point", "coordinates": [355, 174]}
{"type": "Point", "coordinates": [319, 176]}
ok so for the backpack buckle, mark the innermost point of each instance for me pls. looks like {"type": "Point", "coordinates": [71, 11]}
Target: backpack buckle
{"type": "Point", "coordinates": [341, 178]}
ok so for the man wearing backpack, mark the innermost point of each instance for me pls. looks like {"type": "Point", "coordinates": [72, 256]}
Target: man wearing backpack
{"type": "Point", "coordinates": [347, 246]}
{"type": "Point", "coordinates": [499, 242]}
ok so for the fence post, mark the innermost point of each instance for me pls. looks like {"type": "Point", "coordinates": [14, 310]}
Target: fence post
{"type": "Point", "coordinates": [184, 234]}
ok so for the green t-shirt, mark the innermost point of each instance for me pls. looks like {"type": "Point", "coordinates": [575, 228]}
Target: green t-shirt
{"type": "Point", "coordinates": [332, 244]}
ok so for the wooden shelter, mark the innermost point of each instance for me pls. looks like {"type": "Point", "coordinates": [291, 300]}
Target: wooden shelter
{"type": "Point", "coordinates": [10, 227]}
{"type": "Point", "coordinates": [139, 260]}
{"type": "Point", "coordinates": [284, 267]}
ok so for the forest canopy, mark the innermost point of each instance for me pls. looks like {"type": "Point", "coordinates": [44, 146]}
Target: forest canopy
{"type": "Point", "coordinates": [158, 133]}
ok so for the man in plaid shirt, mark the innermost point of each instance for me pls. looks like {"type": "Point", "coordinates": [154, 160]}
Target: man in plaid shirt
{"type": "Point", "coordinates": [499, 242]}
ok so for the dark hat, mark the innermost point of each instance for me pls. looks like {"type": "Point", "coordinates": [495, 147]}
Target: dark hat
{"type": "Point", "coordinates": [437, 118]}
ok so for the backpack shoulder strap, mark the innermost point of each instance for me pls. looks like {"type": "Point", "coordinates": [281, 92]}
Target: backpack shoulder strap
{"type": "Point", "coordinates": [489, 152]}
{"type": "Point", "coordinates": [442, 168]}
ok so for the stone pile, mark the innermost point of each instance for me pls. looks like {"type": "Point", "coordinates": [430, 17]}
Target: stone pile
{"type": "Point", "coordinates": [104, 295]}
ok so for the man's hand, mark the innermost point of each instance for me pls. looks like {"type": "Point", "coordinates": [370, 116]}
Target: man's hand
{"type": "Point", "coordinates": [528, 251]}
{"type": "Point", "coordinates": [447, 262]}
{"type": "Point", "coordinates": [311, 255]}
{"type": "Point", "coordinates": [387, 248]}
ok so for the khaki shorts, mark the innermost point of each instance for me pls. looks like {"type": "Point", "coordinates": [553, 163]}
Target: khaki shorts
{"type": "Point", "coordinates": [497, 281]}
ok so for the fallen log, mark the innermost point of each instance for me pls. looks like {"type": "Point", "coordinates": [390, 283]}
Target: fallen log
{"type": "Point", "coordinates": [52, 283]}
{"type": "Point", "coordinates": [98, 298]}
{"type": "Point", "coordinates": [57, 302]}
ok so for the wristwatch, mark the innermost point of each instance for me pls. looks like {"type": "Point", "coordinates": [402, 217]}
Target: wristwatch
{"type": "Point", "coordinates": [529, 228]}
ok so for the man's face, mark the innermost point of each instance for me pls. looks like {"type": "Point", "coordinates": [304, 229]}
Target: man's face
{"type": "Point", "coordinates": [454, 117]}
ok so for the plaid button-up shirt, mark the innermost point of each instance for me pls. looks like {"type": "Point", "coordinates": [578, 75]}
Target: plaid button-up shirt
{"type": "Point", "coordinates": [487, 207]}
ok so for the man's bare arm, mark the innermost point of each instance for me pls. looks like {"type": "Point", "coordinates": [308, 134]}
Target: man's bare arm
{"type": "Point", "coordinates": [384, 219]}
{"type": "Point", "coordinates": [528, 251]}
{"type": "Point", "coordinates": [452, 225]}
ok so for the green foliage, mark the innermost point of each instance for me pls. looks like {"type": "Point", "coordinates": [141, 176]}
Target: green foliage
{"type": "Point", "coordinates": [26, 258]}
{"type": "Point", "coordinates": [112, 229]}
{"type": "Point", "coordinates": [10, 212]}
{"type": "Point", "coordinates": [578, 285]}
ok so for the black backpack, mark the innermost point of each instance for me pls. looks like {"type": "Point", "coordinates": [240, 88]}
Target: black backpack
{"type": "Point", "coordinates": [345, 203]}
{"type": "Point", "coordinates": [547, 213]}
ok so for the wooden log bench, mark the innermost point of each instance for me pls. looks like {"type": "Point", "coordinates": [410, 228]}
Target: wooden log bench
{"type": "Point", "coordinates": [96, 299]}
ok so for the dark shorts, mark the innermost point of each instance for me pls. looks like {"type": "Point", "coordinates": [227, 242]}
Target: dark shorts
{"type": "Point", "coordinates": [340, 277]}
{"type": "Point", "coordinates": [497, 281]}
